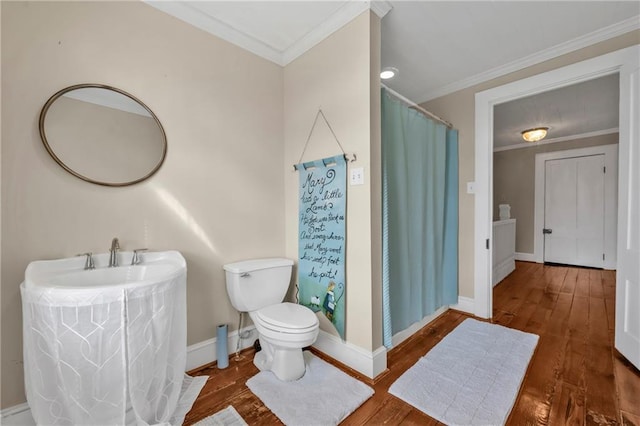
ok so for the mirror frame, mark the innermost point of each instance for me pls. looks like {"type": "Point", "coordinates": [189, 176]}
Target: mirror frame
{"type": "Point", "coordinates": [43, 136]}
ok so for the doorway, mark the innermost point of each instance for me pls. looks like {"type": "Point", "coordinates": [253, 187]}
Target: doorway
{"type": "Point", "coordinates": [621, 62]}
{"type": "Point", "coordinates": [625, 62]}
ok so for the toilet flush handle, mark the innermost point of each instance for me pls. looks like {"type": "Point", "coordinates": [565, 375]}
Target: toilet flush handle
{"type": "Point", "coordinates": [245, 275]}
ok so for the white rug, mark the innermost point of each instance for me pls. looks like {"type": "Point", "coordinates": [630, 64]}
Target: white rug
{"type": "Point", "coordinates": [323, 396]}
{"type": "Point", "coordinates": [227, 417]}
{"type": "Point", "coordinates": [471, 377]}
{"type": "Point", "coordinates": [191, 387]}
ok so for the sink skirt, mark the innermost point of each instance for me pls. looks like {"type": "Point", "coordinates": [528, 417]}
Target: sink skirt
{"type": "Point", "coordinates": [93, 354]}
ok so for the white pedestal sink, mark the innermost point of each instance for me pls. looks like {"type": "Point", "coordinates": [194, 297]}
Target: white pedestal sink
{"type": "Point", "coordinates": [108, 345]}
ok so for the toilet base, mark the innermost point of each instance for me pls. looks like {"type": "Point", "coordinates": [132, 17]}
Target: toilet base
{"type": "Point", "coordinates": [286, 363]}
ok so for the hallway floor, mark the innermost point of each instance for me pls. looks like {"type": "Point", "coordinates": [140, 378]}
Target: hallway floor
{"type": "Point", "coordinates": [575, 375]}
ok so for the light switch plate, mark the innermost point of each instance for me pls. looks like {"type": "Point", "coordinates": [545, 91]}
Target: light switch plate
{"type": "Point", "coordinates": [357, 176]}
{"type": "Point", "coordinates": [471, 187]}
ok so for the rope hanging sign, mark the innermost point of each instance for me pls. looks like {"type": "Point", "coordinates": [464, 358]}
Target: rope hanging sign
{"type": "Point", "coordinates": [322, 234]}
{"type": "Point", "coordinates": [350, 158]}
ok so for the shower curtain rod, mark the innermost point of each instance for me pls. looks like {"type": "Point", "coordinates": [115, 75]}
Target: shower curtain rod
{"type": "Point", "coordinates": [416, 106]}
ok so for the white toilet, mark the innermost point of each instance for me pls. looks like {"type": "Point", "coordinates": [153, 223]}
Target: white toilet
{"type": "Point", "coordinates": [258, 286]}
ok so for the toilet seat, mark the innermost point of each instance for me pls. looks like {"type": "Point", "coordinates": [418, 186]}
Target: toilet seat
{"type": "Point", "coordinates": [287, 317]}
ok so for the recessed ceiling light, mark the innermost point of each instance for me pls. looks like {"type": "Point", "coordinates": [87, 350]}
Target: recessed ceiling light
{"type": "Point", "coordinates": [388, 72]}
{"type": "Point", "coordinates": [534, 135]}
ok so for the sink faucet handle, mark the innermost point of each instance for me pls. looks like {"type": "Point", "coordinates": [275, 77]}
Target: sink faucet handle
{"type": "Point", "coordinates": [136, 259]}
{"type": "Point", "coordinates": [88, 263]}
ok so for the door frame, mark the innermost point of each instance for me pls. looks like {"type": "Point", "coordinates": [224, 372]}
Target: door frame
{"type": "Point", "coordinates": [610, 153]}
{"type": "Point", "coordinates": [607, 64]}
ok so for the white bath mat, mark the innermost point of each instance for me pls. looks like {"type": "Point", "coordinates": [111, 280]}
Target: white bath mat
{"type": "Point", "coordinates": [323, 396]}
{"type": "Point", "coordinates": [191, 387]}
{"type": "Point", "coordinates": [227, 417]}
{"type": "Point", "coordinates": [471, 377]}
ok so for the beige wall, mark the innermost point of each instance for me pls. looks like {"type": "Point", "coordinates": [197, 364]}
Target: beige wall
{"type": "Point", "coordinates": [336, 75]}
{"type": "Point", "coordinates": [219, 197]}
{"type": "Point", "coordinates": [514, 182]}
{"type": "Point", "coordinates": [459, 109]}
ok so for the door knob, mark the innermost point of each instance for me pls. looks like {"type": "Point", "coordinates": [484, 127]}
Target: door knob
{"type": "Point", "coordinates": [547, 231]}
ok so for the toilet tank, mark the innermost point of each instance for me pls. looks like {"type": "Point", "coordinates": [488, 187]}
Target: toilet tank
{"type": "Point", "coordinates": [256, 283]}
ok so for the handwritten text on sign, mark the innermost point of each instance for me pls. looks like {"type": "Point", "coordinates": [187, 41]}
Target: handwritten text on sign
{"type": "Point", "coordinates": [321, 271]}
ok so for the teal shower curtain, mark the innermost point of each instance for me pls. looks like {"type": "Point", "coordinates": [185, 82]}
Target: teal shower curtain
{"type": "Point", "coordinates": [419, 215]}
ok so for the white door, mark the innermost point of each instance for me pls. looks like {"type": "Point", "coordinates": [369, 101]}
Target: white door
{"type": "Point", "coordinates": [574, 211]}
{"type": "Point", "coordinates": [627, 336]}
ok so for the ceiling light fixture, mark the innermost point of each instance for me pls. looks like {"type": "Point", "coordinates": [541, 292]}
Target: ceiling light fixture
{"type": "Point", "coordinates": [534, 135]}
{"type": "Point", "coordinates": [388, 72]}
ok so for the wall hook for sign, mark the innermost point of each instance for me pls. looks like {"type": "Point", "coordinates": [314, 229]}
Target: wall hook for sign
{"type": "Point", "coordinates": [349, 157]}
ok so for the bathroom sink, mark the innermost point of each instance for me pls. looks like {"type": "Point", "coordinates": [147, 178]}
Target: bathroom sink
{"type": "Point", "coordinates": [105, 345]}
{"type": "Point", "coordinates": [70, 272]}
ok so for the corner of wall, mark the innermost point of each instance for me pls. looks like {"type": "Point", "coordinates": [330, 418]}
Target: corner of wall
{"type": "Point", "coordinates": [340, 75]}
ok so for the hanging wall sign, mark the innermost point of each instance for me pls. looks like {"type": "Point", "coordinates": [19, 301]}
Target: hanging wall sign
{"type": "Point", "coordinates": [321, 238]}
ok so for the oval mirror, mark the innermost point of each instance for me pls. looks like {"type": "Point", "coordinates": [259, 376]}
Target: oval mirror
{"type": "Point", "coordinates": [102, 135]}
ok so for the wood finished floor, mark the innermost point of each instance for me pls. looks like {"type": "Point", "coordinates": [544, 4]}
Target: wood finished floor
{"type": "Point", "coordinates": [574, 378]}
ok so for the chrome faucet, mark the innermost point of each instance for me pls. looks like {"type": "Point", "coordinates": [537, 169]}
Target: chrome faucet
{"type": "Point", "coordinates": [137, 259]}
{"type": "Point", "coordinates": [88, 264]}
{"type": "Point", "coordinates": [113, 253]}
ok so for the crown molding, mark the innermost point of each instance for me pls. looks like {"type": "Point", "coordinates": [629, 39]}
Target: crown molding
{"type": "Point", "coordinates": [380, 8]}
{"type": "Point", "coordinates": [556, 140]}
{"type": "Point", "coordinates": [339, 19]}
{"type": "Point", "coordinates": [218, 28]}
{"type": "Point", "coordinates": [191, 15]}
{"type": "Point", "coordinates": [577, 43]}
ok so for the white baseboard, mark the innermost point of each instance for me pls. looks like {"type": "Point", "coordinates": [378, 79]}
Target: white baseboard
{"type": "Point", "coordinates": [503, 269]}
{"type": "Point", "coordinates": [403, 335]}
{"type": "Point", "coordinates": [526, 257]}
{"type": "Point", "coordinates": [465, 304]}
{"type": "Point", "coordinates": [203, 353]}
{"type": "Point", "coordinates": [18, 415]}
{"type": "Point", "coordinates": [371, 364]}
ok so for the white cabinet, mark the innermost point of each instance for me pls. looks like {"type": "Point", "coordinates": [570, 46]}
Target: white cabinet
{"type": "Point", "coordinates": [504, 249]}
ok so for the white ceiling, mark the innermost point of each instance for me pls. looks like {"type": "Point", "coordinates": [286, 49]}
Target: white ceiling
{"type": "Point", "coordinates": [279, 31]}
{"type": "Point", "coordinates": [439, 47]}
{"type": "Point", "coordinates": [586, 108]}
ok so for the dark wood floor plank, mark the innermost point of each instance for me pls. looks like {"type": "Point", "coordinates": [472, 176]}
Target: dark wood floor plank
{"type": "Point", "coordinates": [545, 367]}
{"type": "Point", "coordinates": [627, 385]}
{"type": "Point", "coordinates": [575, 362]}
{"type": "Point", "coordinates": [582, 283]}
{"type": "Point", "coordinates": [598, 325]}
{"type": "Point", "coordinates": [559, 319]}
{"type": "Point", "coordinates": [629, 419]}
{"type": "Point", "coordinates": [418, 418]}
{"type": "Point", "coordinates": [601, 401]}
{"type": "Point", "coordinates": [554, 278]}
{"type": "Point", "coordinates": [567, 407]}
{"type": "Point", "coordinates": [596, 288]}
{"type": "Point", "coordinates": [610, 306]}
{"type": "Point", "coordinates": [529, 410]}
{"type": "Point", "coordinates": [575, 376]}
{"type": "Point", "coordinates": [579, 317]}
{"type": "Point", "coordinates": [609, 290]}
{"type": "Point", "coordinates": [391, 412]}
{"type": "Point", "coordinates": [570, 279]}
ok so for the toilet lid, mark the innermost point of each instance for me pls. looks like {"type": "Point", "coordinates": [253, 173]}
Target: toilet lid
{"type": "Point", "coordinates": [288, 316]}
